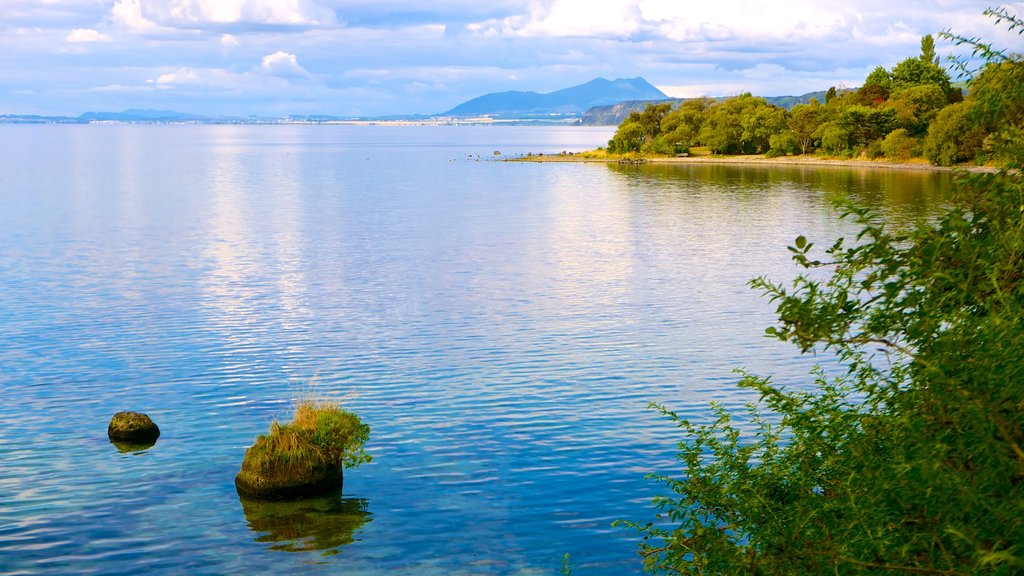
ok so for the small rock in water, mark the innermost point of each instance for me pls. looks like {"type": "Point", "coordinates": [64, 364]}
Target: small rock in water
{"type": "Point", "coordinates": [133, 427]}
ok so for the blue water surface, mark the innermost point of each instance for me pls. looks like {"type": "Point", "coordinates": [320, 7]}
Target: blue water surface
{"type": "Point", "coordinates": [501, 327]}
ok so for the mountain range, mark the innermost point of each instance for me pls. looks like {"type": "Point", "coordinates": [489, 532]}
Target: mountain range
{"type": "Point", "coordinates": [568, 101]}
{"type": "Point", "coordinates": [599, 102]}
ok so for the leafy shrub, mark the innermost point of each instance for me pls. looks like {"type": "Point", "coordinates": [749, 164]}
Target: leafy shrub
{"type": "Point", "coordinates": [340, 435]}
{"type": "Point", "coordinates": [873, 150]}
{"type": "Point", "coordinates": [835, 139]}
{"type": "Point", "coordinates": [911, 461]}
{"type": "Point", "coordinates": [782, 144]}
{"type": "Point", "coordinates": [953, 137]}
{"type": "Point", "coordinates": [916, 107]}
{"type": "Point", "coordinates": [337, 433]}
{"type": "Point", "coordinates": [899, 145]}
{"type": "Point", "coordinates": [864, 123]}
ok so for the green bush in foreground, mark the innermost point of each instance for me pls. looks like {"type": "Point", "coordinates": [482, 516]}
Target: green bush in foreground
{"type": "Point", "coordinates": [912, 460]}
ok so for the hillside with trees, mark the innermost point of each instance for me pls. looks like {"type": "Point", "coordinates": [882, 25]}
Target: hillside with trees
{"type": "Point", "coordinates": [615, 114]}
{"type": "Point", "coordinates": [913, 110]}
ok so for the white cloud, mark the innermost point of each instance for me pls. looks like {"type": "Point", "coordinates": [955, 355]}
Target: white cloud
{"type": "Point", "coordinates": [129, 14]}
{"type": "Point", "coordinates": [184, 76]}
{"type": "Point", "coordinates": [748, 19]}
{"type": "Point", "coordinates": [278, 69]}
{"type": "Point", "coordinates": [282, 64]}
{"type": "Point", "coordinates": [583, 18]}
{"type": "Point", "coordinates": [243, 54]}
{"type": "Point", "coordinates": [567, 18]}
{"type": "Point", "coordinates": [190, 13]}
{"type": "Point", "coordinates": [87, 35]}
{"type": "Point", "coordinates": [151, 17]}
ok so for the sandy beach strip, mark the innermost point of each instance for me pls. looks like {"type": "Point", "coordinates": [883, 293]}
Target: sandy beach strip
{"type": "Point", "coordinates": [759, 160]}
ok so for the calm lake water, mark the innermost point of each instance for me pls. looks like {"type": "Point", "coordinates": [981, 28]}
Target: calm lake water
{"type": "Point", "coordinates": [501, 327]}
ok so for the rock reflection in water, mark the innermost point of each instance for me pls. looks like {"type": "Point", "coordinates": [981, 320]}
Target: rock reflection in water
{"type": "Point", "coordinates": [323, 523]}
{"type": "Point", "coordinates": [132, 447]}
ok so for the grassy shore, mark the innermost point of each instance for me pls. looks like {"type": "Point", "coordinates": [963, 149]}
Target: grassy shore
{"type": "Point", "coordinates": [601, 156]}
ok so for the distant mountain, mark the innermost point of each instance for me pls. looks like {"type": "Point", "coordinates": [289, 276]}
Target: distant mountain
{"type": "Point", "coordinates": [788, 102]}
{"type": "Point", "coordinates": [614, 115]}
{"type": "Point", "coordinates": [569, 101]}
{"type": "Point", "coordinates": [35, 119]}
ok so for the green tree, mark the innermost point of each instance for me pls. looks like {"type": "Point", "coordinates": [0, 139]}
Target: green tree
{"type": "Point", "coordinates": [782, 144]}
{"type": "Point", "coordinates": [953, 136]}
{"type": "Point", "coordinates": [909, 461]}
{"type": "Point", "coordinates": [997, 109]}
{"type": "Point", "coordinates": [639, 129]}
{"type": "Point", "coordinates": [760, 123]}
{"type": "Point", "coordinates": [865, 123]}
{"type": "Point", "coordinates": [997, 91]}
{"type": "Point", "coordinates": [917, 106]}
{"type": "Point", "coordinates": [899, 145]}
{"type": "Point", "coordinates": [928, 55]}
{"type": "Point", "coordinates": [681, 126]}
{"type": "Point", "coordinates": [877, 87]}
{"type": "Point", "coordinates": [723, 129]}
{"type": "Point", "coordinates": [804, 120]}
{"type": "Point", "coordinates": [913, 72]}
{"type": "Point", "coordinates": [879, 77]}
{"type": "Point", "coordinates": [835, 139]}
{"type": "Point", "coordinates": [872, 95]}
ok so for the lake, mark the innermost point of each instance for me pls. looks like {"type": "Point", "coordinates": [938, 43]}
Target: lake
{"type": "Point", "coordinates": [502, 328]}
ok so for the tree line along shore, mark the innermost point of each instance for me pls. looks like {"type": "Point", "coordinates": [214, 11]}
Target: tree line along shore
{"type": "Point", "coordinates": [910, 116]}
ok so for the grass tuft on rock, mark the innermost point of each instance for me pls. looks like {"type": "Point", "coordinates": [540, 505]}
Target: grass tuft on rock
{"type": "Point", "coordinates": [306, 455]}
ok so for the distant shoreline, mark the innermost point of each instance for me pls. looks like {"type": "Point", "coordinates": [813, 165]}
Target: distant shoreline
{"type": "Point", "coordinates": [756, 160]}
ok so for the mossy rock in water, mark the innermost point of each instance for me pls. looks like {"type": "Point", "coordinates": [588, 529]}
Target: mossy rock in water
{"type": "Point", "coordinates": [305, 457]}
{"type": "Point", "coordinates": [286, 464]}
{"type": "Point", "coordinates": [133, 428]}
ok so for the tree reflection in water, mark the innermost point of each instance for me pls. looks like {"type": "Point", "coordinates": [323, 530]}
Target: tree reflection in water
{"type": "Point", "coordinates": [323, 523]}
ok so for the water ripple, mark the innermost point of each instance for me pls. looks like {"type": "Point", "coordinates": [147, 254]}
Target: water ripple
{"type": "Point", "coordinates": [501, 327]}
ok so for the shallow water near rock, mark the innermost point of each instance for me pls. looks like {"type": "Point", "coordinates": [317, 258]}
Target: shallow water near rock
{"type": "Point", "coordinates": [500, 326]}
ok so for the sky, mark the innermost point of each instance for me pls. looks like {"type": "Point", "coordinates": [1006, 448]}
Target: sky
{"type": "Point", "coordinates": [389, 57]}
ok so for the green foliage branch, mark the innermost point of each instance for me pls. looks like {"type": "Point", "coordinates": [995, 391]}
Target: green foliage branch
{"type": "Point", "coordinates": [911, 461]}
{"type": "Point", "coordinates": [340, 435]}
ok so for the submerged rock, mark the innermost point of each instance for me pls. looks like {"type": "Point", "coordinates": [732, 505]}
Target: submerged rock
{"type": "Point", "coordinates": [133, 428]}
